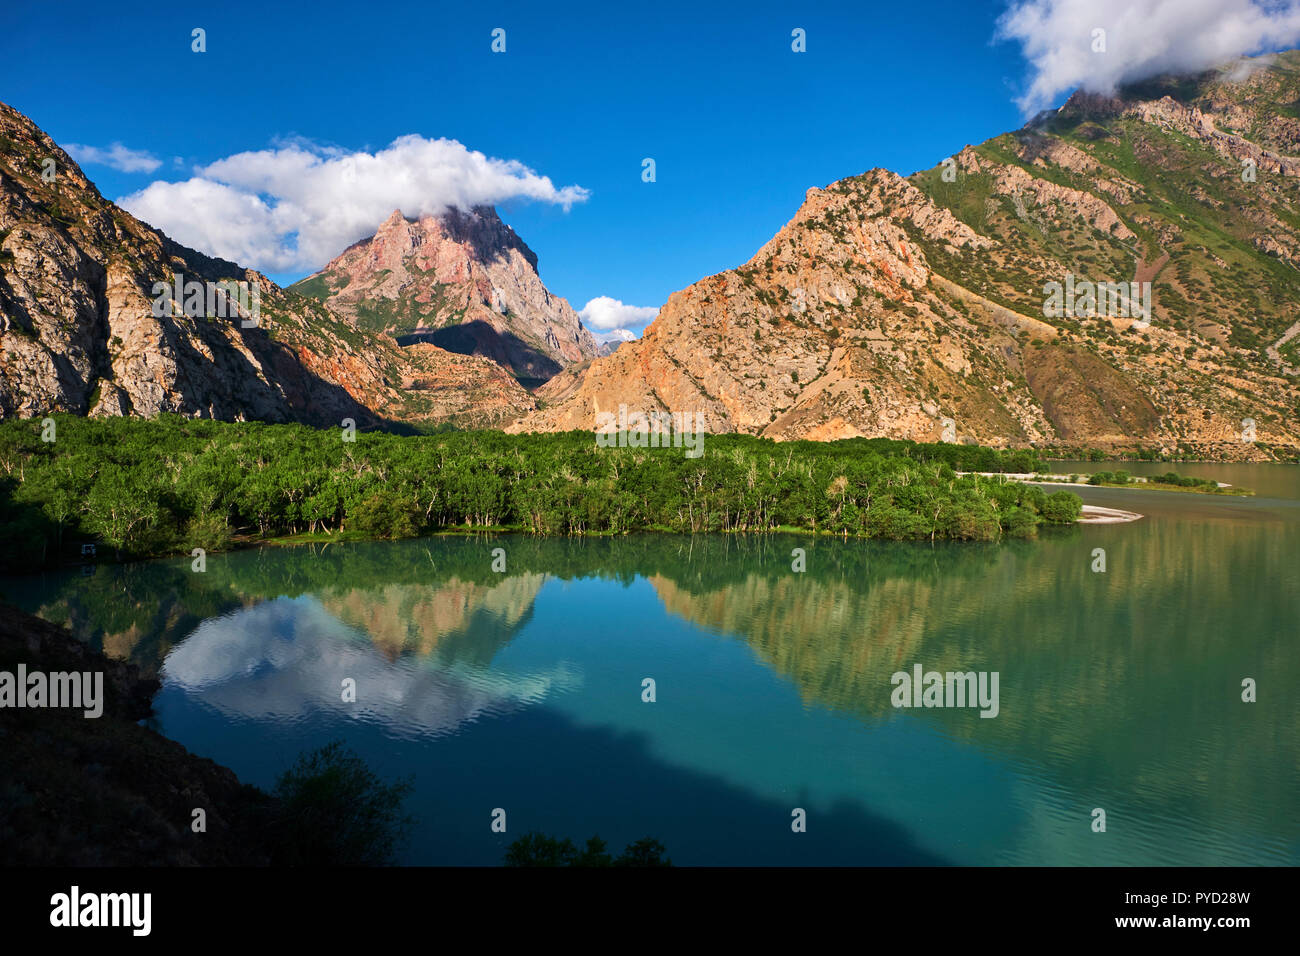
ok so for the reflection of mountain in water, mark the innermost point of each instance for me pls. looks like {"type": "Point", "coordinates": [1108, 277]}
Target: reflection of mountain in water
{"type": "Point", "coordinates": [397, 593]}
{"type": "Point", "coordinates": [1125, 682]}
{"type": "Point", "coordinates": [135, 612]}
{"type": "Point", "coordinates": [285, 659]}
{"type": "Point", "coordinates": [453, 619]}
{"type": "Point", "coordinates": [1158, 644]}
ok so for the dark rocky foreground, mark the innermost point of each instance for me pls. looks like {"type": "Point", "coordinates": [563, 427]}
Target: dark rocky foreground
{"type": "Point", "coordinates": [106, 791]}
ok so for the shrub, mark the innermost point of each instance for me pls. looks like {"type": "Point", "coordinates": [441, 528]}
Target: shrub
{"type": "Point", "coordinates": [334, 811]}
{"type": "Point", "coordinates": [1062, 507]}
{"type": "Point", "coordinates": [208, 531]}
{"type": "Point", "coordinates": [1020, 523]}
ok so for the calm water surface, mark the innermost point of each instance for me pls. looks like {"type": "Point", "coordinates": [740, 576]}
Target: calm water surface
{"type": "Point", "coordinates": [522, 690]}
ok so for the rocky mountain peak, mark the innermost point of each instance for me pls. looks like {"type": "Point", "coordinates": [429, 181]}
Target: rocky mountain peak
{"type": "Point", "coordinates": [463, 280]}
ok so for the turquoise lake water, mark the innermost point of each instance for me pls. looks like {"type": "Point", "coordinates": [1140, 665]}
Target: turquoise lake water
{"type": "Point", "coordinates": [522, 690]}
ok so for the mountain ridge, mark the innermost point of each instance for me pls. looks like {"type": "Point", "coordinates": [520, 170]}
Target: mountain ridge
{"type": "Point", "coordinates": [915, 307]}
{"type": "Point", "coordinates": [79, 333]}
{"type": "Point", "coordinates": [906, 307]}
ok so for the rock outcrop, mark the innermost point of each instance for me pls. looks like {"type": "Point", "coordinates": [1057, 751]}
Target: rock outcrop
{"type": "Point", "coordinates": [905, 307]}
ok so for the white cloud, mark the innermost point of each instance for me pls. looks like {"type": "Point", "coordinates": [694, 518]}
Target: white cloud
{"type": "Point", "coordinates": [297, 206]}
{"type": "Point", "coordinates": [604, 314]}
{"type": "Point", "coordinates": [1144, 38]}
{"type": "Point", "coordinates": [116, 156]}
{"type": "Point", "coordinates": [614, 335]}
{"type": "Point", "coordinates": [269, 661]}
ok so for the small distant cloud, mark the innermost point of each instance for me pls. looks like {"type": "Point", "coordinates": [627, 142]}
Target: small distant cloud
{"type": "Point", "coordinates": [116, 156]}
{"type": "Point", "coordinates": [1143, 38]}
{"type": "Point", "coordinates": [610, 319]}
{"type": "Point", "coordinates": [293, 207]}
{"type": "Point", "coordinates": [614, 335]}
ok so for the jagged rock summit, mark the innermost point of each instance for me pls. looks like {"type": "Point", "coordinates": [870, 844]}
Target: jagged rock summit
{"type": "Point", "coordinates": [462, 280]}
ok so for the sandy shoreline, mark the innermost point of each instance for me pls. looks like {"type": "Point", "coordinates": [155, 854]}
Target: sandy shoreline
{"type": "Point", "coordinates": [1094, 514]}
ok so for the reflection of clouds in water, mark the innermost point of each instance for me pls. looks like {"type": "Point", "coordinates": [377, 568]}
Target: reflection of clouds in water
{"type": "Point", "coordinates": [285, 659]}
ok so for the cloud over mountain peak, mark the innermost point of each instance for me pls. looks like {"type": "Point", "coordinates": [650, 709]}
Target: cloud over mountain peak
{"type": "Point", "coordinates": [295, 206]}
{"type": "Point", "coordinates": [1139, 39]}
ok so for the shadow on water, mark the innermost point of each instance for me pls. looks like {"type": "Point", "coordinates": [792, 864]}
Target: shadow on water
{"type": "Point", "coordinates": [626, 793]}
{"type": "Point", "coordinates": [555, 776]}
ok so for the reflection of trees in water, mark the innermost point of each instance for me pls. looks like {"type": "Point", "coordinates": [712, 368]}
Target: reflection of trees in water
{"type": "Point", "coordinates": [413, 596]}
{"type": "Point", "coordinates": [136, 612]}
{"type": "Point", "coordinates": [405, 602]}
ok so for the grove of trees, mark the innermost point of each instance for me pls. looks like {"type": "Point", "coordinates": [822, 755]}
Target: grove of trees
{"type": "Point", "coordinates": [140, 487]}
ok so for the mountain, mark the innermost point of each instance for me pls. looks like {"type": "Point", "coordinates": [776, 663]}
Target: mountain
{"type": "Point", "coordinates": [463, 281]}
{"type": "Point", "coordinates": [82, 330]}
{"type": "Point", "coordinates": [918, 307]}
{"type": "Point", "coordinates": [923, 307]}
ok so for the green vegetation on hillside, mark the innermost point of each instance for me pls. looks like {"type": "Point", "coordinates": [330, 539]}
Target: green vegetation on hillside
{"type": "Point", "coordinates": [148, 487]}
{"type": "Point", "coordinates": [1210, 237]}
{"type": "Point", "coordinates": [315, 287]}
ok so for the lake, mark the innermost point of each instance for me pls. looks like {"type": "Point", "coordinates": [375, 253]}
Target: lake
{"type": "Point", "coordinates": [1118, 690]}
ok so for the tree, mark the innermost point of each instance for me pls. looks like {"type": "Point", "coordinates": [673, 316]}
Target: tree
{"type": "Point", "coordinates": [382, 517]}
{"type": "Point", "coordinates": [122, 506]}
{"type": "Point", "coordinates": [644, 852]}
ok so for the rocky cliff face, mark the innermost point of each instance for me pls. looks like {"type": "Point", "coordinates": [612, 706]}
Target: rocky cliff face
{"type": "Point", "coordinates": [79, 333]}
{"type": "Point", "coordinates": [462, 280]}
{"type": "Point", "coordinates": [918, 308]}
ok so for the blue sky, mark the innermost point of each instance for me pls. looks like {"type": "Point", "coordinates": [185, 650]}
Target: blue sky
{"type": "Point", "coordinates": [738, 124]}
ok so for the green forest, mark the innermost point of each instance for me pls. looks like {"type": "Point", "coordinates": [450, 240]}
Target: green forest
{"type": "Point", "coordinates": [137, 488]}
